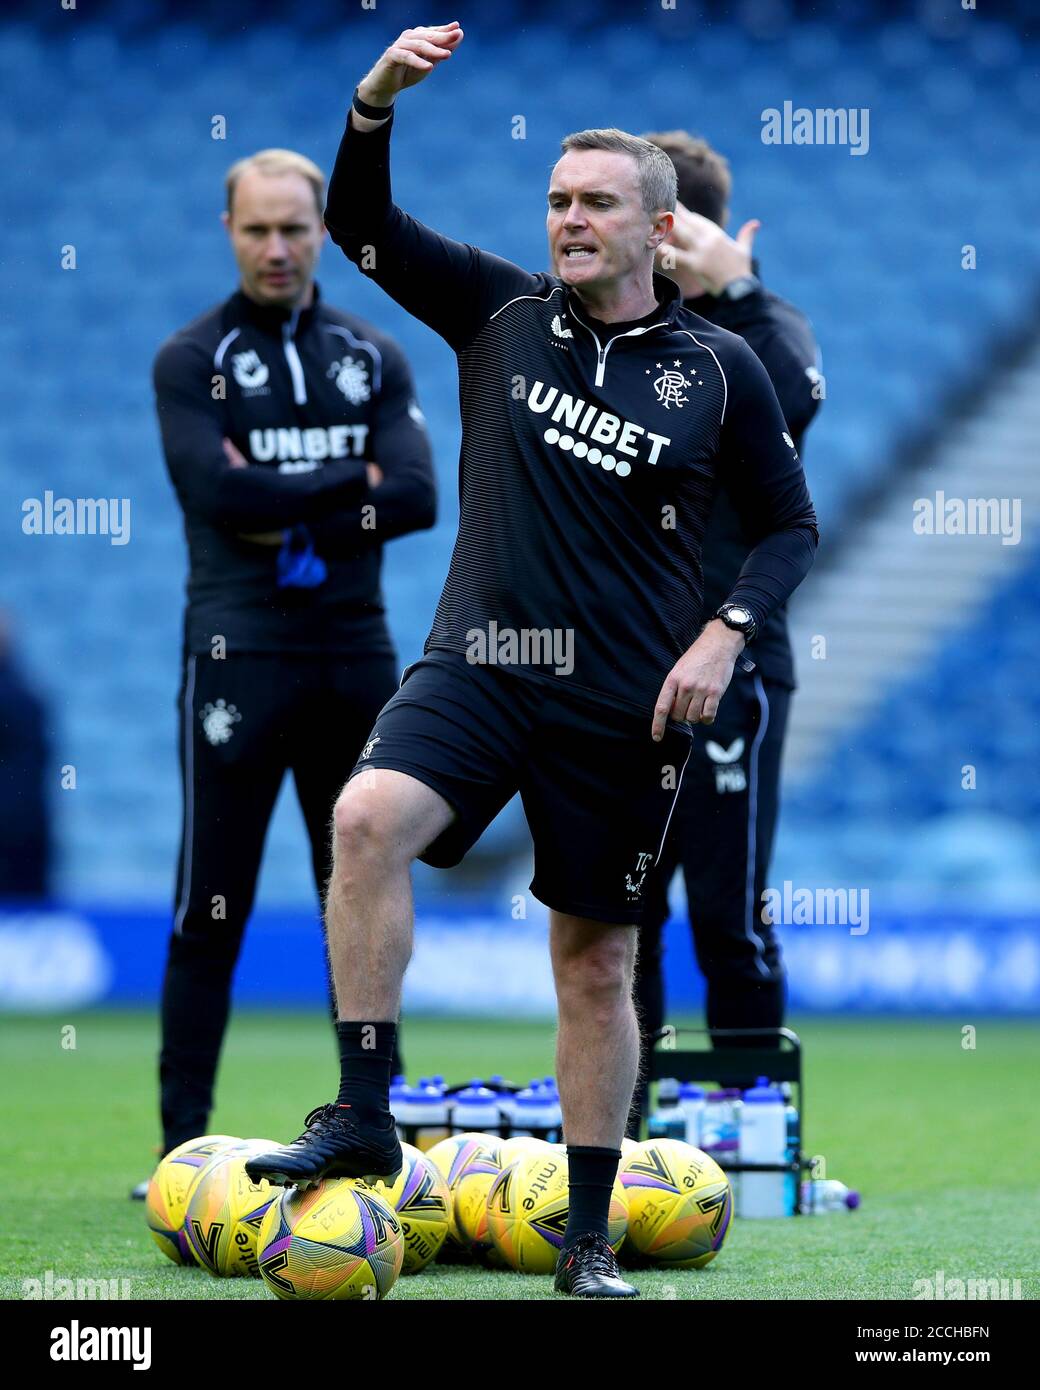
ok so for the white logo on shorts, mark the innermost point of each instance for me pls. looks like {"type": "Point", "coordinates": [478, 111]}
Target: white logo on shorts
{"type": "Point", "coordinates": [718, 754]}
{"type": "Point", "coordinates": [729, 775]}
{"type": "Point", "coordinates": [217, 721]}
{"type": "Point", "coordinates": [366, 752]}
{"type": "Point", "coordinates": [634, 885]}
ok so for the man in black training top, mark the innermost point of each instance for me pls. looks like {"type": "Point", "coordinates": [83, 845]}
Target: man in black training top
{"type": "Point", "coordinates": [597, 416]}
{"type": "Point", "coordinates": [725, 816]}
{"type": "Point", "coordinates": [296, 447]}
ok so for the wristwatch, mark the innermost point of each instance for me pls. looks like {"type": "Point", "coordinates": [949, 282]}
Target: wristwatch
{"type": "Point", "coordinates": [741, 286]}
{"type": "Point", "coordinates": [739, 619]}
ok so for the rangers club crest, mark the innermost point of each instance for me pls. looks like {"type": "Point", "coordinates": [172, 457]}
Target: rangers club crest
{"type": "Point", "coordinates": [669, 387]}
{"type": "Point", "coordinates": [351, 375]}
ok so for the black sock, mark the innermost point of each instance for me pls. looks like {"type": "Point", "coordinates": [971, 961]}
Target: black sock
{"type": "Point", "coordinates": [591, 1177]}
{"type": "Point", "coordinates": [366, 1052]}
{"type": "Point", "coordinates": [196, 998]}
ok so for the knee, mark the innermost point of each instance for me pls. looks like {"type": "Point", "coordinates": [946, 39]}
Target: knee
{"type": "Point", "coordinates": [650, 954]}
{"type": "Point", "coordinates": [597, 975]}
{"type": "Point", "coordinates": [362, 827]}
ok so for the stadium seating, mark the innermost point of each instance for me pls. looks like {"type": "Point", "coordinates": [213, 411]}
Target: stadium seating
{"type": "Point", "coordinates": [125, 170]}
{"type": "Point", "coordinates": [875, 812]}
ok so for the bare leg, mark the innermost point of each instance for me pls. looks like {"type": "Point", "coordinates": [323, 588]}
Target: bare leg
{"type": "Point", "coordinates": [382, 820]}
{"type": "Point", "coordinates": [597, 1046]}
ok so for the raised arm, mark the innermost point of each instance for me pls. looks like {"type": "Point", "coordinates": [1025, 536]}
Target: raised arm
{"type": "Point", "coordinates": [449, 285]}
{"type": "Point", "coordinates": [700, 256]}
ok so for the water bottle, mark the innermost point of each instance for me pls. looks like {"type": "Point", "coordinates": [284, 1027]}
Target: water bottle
{"type": "Point", "coordinates": [521, 1106]}
{"type": "Point", "coordinates": [504, 1100]}
{"type": "Point", "coordinates": [667, 1120]}
{"type": "Point", "coordinates": [422, 1113]}
{"type": "Point", "coordinates": [475, 1109]}
{"type": "Point", "coordinates": [534, 1112]}
{"type": "Point", "coordinates": [821, 1195]}
{"type": "Point", "coordinates": [794, 1148]}
{"type": "Point", "coordinates": [554, 1111]}
{"type": "Point", "coordinates": [691, 1103]}
{"type": "Point", "coordinates": [763, 1139]}
{"type": "Point", "coordinates": [720, 1133]}
{"type": "Point", "coordinates": [551, 1123]}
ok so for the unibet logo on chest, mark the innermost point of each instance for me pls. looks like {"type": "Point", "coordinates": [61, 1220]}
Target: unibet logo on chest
{"type": "Point", "coordinates": [594, 428]}
{"type": "Point", "coordinates": [314, 444]}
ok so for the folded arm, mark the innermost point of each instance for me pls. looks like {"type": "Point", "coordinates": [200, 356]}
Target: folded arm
{"type": "Point", "coordinates": [256, 499]}
{"type": "Point", "coordinates": [405, 499]}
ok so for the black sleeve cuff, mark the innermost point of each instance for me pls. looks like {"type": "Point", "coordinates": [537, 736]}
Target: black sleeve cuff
{"type": "Point", "coordinates": [372, 113]}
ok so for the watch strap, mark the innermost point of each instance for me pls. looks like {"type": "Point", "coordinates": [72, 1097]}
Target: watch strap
{"type": "Point", "coordinates": [740, 288]}
{"type": "Point", "coordinates": [749, 628]}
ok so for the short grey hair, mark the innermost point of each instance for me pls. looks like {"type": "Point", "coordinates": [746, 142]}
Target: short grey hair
{"type": "Point", "coordinates": [658, 182]}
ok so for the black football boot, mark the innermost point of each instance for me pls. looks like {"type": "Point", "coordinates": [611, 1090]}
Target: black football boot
{"type": "Point", "coordinates": [589, 1269]}
{"type": "Point", "coordinates": [333, 1145]}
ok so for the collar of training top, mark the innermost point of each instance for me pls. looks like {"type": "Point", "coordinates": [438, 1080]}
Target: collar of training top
{"type": "Point", "coordinates": [271, 316]}
{"type": "Point", "coordinates": [669, 302]}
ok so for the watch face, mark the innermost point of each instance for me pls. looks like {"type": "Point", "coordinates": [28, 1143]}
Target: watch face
{"type": "Point", "coordinates": [738, 288]}
{"type": "Point", "coordinates": [738, 615]}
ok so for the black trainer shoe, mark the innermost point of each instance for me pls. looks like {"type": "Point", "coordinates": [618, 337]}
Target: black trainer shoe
{"type": "Point", "coordinates": [140, 1192]}
{"type": "Point", "coordinates": [333, 1145]}
{"type": "Point", "coordinates": [589, 1269]}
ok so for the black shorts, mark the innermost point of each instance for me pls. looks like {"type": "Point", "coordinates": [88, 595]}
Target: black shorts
{"type": "Point", "coordinates": [597, 791]}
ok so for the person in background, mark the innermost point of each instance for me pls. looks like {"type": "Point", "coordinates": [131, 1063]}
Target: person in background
{"type": "Point", "coordinates": [725, 817]}
{"type": "Point", "coordinates": [25, 819]}
{"type": "Point", "coordinates": [297, 449]}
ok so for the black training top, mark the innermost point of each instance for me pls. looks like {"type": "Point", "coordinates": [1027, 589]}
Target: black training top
{"type": "Point", "coordinates": [782, 339]}
{"type": "Point", "coordinates": [308, 397]}
{"type": "Point", "coordinates": [588, 461]}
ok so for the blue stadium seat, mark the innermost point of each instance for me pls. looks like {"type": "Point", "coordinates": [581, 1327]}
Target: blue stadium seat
{"type": "Point", "coordinates": [127, 172]}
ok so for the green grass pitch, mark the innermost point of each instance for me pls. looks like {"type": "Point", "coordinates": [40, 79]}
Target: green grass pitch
{"type": "Point", "coordinates": [941, 1140]}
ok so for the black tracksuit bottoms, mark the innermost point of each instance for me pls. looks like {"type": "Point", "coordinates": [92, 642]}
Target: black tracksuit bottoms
{"type": "Point", "coordinates": [244, 722]}
{"type": "Point", "coordinates": [722, 835]}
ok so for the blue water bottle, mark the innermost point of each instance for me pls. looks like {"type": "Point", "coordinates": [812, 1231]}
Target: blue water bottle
{"type": "Point", "coordinates": [794, 1148]}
